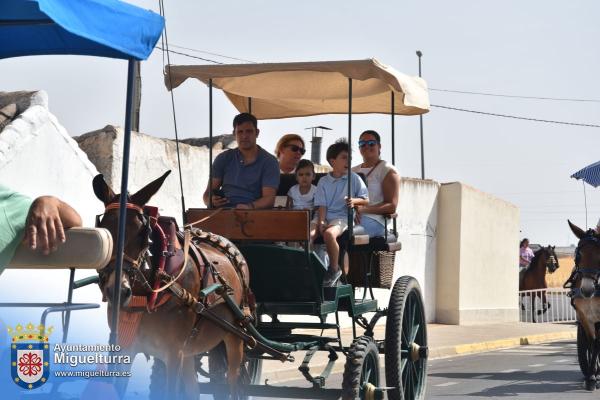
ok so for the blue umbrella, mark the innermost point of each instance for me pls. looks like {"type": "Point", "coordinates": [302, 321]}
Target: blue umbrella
{"type": "Point", "coordinates": [589, 174]}
{"type": "Point", "coordinates": [102, 28]}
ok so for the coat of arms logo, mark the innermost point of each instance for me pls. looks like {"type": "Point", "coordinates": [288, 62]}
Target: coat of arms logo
{"type": "Point", "coordinates": [30, 355]}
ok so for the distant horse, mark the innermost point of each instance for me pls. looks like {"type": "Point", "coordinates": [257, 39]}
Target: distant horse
{"type": "Point", "coordinates": [173, 333]}
{"type": "Point", "coordinates": [534, 277]}
{"type": "Point", "coordinates": [585, 298]}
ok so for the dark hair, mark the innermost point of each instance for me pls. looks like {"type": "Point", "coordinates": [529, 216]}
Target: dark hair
{"type": "Point", "coordinates": [304, 163]}
{"type": "Point", "coordinates": [244, 117]}
{"type": "Point", "coordinates": [523, 241]}
{"type": "Point", "coordinates": [335, 149]}
{"type": "Point", "coordinates": [373, 133]}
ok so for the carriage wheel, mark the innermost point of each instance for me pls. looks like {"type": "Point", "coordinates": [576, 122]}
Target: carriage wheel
{"type": "Point", "coordinates": [361, 371]}
{"type": "Point", "coordinates": [250, 370]}
{"type": "Point", "coordinates": [584, 355]}
{"type": "Point", "coordinates": [406, 348]}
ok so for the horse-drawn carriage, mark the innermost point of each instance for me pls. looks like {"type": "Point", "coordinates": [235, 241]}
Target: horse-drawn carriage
{"type": "Point", "coordinates": [286, 280]}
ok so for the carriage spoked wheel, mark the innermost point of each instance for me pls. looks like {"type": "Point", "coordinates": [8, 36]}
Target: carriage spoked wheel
{"type": "Point", "coordinates": [406, 348]}
{"type": "Point", "coordinates": [250, 370]}
{"type": "Point", "coordinates": [361, 371]}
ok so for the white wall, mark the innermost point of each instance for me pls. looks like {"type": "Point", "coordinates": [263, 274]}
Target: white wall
{"type": "Point", "coordinates": [417, 227]}
{"type": "Point", "coordinates": [477, 247]}
{"type": "Point", "coordinates": [150, 157]}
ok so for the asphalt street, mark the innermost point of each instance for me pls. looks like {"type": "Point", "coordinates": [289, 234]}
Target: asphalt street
{"type": "Point", "coordinates": [545, 371]}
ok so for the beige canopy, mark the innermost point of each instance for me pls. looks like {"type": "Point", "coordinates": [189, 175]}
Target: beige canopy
{"type": "Point", "coordinates": [282, 90]}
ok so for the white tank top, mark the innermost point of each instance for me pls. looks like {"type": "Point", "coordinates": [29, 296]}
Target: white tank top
{"type": "Point", "coordinates": [375, 184]}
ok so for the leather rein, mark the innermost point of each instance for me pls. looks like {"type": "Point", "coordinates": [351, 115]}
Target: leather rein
{"type": "Point", "coordinates": [132, 265]}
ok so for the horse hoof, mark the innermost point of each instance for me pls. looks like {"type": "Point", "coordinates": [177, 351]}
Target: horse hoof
{"type": "Point", "coordinates": [590, 385]}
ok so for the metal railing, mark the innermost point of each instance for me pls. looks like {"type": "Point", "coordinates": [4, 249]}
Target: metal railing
{"type": "Point", "coordinates": [560, 309]}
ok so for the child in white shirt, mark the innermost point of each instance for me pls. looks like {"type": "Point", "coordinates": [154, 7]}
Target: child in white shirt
{"type": "Point", "coordinates": [302, 195]}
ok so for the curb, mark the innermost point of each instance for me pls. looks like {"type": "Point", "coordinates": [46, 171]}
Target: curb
{"type": "Point", "coordinates": [474, 348]}
{"type": "Point", "coordinates": [289, 373]}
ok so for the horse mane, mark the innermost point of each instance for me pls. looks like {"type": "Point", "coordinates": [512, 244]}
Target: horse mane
{"type": "Point", "coordinates": [537, 254]}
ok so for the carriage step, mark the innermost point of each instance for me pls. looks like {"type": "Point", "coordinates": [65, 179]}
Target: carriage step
{"type": "Point", "coordinates": [295, 325]}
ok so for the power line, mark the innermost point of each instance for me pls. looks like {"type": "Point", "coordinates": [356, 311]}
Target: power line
{"type": "Point", "coordinates": [213, 54]}
{"type": "Point", "coordinates": [516, 117]}
{"type": "Point", "coordinates": [188, 55]}
{"type": "Point", "coordinates": [515, 96]}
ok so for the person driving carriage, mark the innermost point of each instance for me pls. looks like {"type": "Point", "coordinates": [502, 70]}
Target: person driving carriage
{"type": "Point", "coordinates": [40, 222]}
{"type": "Point", "coordinates": [246, 177]}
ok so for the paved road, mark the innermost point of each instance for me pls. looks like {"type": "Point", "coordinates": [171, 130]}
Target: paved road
{"type": "Point", "coordinates": [545, 371]}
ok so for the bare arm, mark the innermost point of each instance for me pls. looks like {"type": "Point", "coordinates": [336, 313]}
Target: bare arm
{"type": "Point", "coordinates": [266, 201]}
{"type": "Point", "coordinates": [217, 201]}
{"type": "Point", "coordinates": [391, 194]}
{"type": "Point", "coordinates": [47, 219]}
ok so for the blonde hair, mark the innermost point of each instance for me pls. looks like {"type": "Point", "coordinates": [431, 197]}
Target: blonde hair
{"type": "Point", "coordinates": [285, 139]}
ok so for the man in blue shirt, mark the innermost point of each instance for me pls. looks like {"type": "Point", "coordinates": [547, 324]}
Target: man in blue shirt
{"type": "Point", "coordinates": [246, 177]}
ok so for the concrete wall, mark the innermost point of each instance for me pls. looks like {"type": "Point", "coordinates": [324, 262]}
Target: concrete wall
{"type": "Point", "coordinates": [476, 278]}
{"type": "Point", "coordinates": [150, 158]}
{"type": "Point", "coordinates": [417, 228]}
{"type": "Point", "coordinates": [37, 157]}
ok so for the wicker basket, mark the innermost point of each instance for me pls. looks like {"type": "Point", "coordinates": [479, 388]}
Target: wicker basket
{"type": "Point", "coordinates": [382, 268]}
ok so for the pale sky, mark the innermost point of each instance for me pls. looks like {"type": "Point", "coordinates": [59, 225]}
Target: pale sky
{"type": "Point", "coordinates": [532, 48]}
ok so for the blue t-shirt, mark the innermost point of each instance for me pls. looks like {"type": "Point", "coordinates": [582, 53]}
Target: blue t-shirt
{"type": "Point", "coordinates": [243, 183]}
{"type": "Point", "coordinates": [331, 193]}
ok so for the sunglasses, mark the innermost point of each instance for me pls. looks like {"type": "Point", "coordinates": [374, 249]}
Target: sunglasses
{"type": "Point", "coordinates": [370, 143]}
{"type": "Point", "coordinates": [296, 149]}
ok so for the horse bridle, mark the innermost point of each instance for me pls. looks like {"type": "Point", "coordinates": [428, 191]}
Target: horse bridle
{"type": "Point", "coordinates": [593, 271]}
{"type": "Point", "coordinates": [131, 265]}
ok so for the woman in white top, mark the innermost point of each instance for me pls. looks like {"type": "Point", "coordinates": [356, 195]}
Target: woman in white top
{"type": "Point", "coordinates": [383, 183]}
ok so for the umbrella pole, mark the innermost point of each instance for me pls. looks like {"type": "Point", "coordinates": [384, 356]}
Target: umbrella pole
{"type": "Point", "coordinates": [210, 141]}
{"type": "Point", "coordinates": [585, 204]}
{"type": "Point", "coordinates": [350, 212]}
{"type": "Point", "coordinates": [116, 300]}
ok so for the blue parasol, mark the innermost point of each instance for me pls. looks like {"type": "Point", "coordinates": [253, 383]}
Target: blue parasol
{"type": "Point", "coordinates": [102, 28]}
{"type": "Point", "coordinates": [589, 174]}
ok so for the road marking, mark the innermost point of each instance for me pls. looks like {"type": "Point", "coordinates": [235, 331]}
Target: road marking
{"type": "Point", "coordinates": [482, 376]}
{"type": "Point", "coordinates": [536, 365]}
{"type": "Point", "coordinates": [564, 360]}
{"type": "Point", "coordinates": [509, 371]}
{"type": "Point", "coordinates": [447, 384]}
{"type": "Point", "coordinates": [530, 351]}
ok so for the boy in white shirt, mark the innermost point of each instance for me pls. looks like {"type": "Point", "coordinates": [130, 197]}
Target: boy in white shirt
{"type": "Point", "coordinates": [302, 195]}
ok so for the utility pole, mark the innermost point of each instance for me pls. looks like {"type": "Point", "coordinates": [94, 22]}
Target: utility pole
{"type": "Point", "coordinates": [419, 54]}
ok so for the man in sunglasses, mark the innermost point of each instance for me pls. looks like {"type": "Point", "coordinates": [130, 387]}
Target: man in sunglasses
{"type": "Point", "coordinates": [246, 177]}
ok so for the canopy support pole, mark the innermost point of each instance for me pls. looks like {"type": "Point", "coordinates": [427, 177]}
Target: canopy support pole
{"type": "Point", "coordinates": [350, 212]}
{"type": "Point", "coordinates": [210, 141]}
{"type": "Point", "coordinates": [116, 300]}
{"type": "Point", "coordinates": [393, 114]}
{"type": "Point", "coordinates": [249, 105]}
{"type": "Point", "coordinates": [420, 54]}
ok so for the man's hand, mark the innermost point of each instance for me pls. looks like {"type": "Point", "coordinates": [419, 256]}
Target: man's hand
{"type": "Point", "coordinates": [44, 227]}
{"type": "Point", "coordinates": [352, 202]}
{"type": "Point", "coordinates": [218, 201]}
{"type": "Point", "coordinates": [48, 217]}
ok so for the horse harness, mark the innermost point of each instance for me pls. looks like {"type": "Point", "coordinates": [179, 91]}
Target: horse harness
{"type": "Point", "coordinates": [132, 266]}
{"type": "Point", "coordinates": [581, 271]}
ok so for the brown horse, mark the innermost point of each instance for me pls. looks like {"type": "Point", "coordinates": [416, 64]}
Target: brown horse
{"type": "Point", "coordinates": [534, 277]}
{"type": "Point", "coordinates": [585, 298]}
{"type": "Point", "coordinates": [166, 333]}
